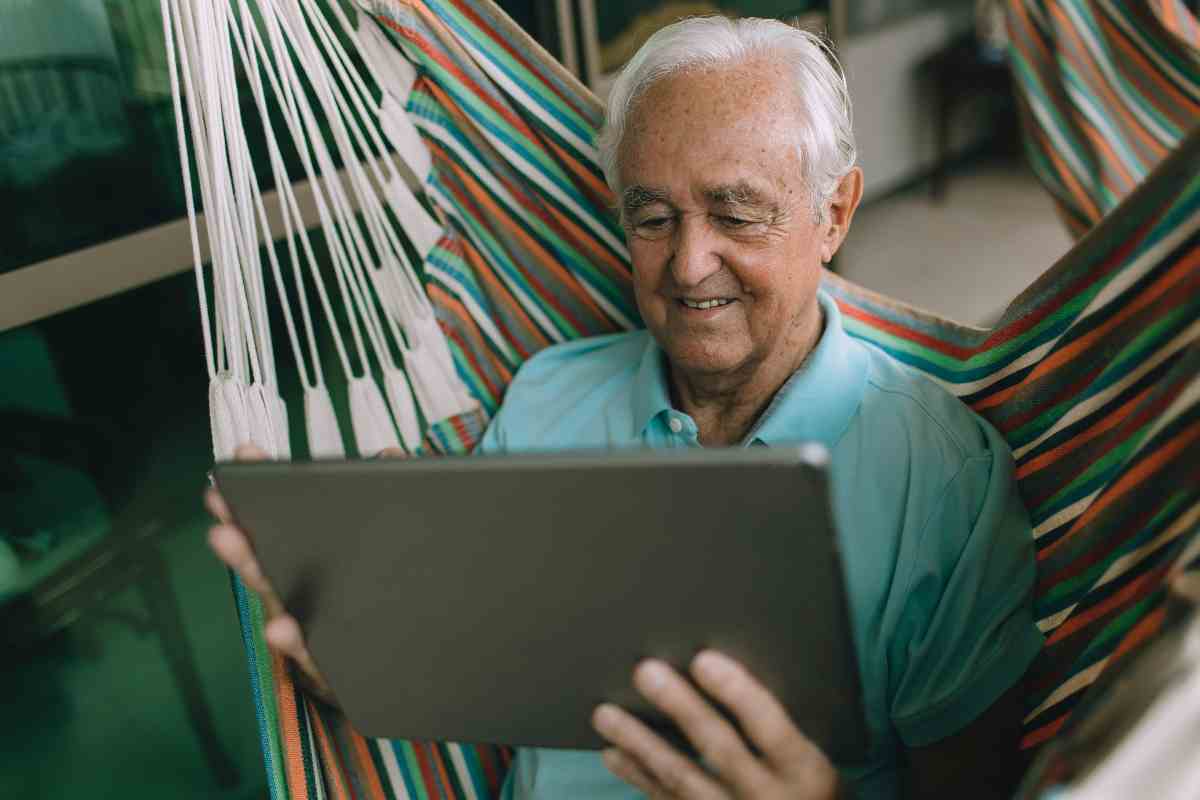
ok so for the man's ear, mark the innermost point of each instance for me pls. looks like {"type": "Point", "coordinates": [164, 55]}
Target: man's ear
{"type": "Point", "coordinates": [840, 212]}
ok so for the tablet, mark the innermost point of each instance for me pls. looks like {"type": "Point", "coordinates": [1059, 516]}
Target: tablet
{"type": "Point", "coordinates": [501, 598]}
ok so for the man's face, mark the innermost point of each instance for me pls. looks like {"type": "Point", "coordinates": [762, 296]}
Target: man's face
{"type": "Point", "coordinates": [726, 253]}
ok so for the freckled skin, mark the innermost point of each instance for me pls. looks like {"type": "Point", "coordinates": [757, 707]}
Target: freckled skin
{"type": "Point", "coordinates": [721, 127]}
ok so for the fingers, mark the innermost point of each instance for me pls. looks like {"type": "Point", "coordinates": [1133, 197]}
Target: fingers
{"type": "Point", "coordinates": [248, 451]}
{"type": "Point", "coordinates": [391, 452]}
{"type": "Point", "coordinates": [217, 506]}
{"type": "Point", "coordinates": [629, 770]}
{"type": "Point", "coordinates": [760, 714]}
{"type": "Point", "coordinates": [676, 774]}
{"type": "Point", "coordinates": [283, 635]}
{"type": "Point", "coordinates": [717, 741]}
{"type": "Point", "coordinates": [232, 547]}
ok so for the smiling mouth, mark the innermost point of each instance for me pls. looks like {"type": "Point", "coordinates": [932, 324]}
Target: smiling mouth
{"type": "Point", "coordinates": [704, 305]}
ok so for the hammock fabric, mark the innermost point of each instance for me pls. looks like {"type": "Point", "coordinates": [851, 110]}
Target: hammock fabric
{"type": "Point", "coordinates": [1107, 90]}
{"type": "Point", "coordinates": [1093, 374]}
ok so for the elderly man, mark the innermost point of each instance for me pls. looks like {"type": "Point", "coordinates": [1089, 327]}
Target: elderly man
{"type": "Point", "coordinates": [730, 149]}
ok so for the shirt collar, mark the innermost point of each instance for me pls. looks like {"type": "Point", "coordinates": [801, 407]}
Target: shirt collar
{"type": "Point", "coordinates": [650, 394]}
{"type": "Point", "coordinates": [815, 404]}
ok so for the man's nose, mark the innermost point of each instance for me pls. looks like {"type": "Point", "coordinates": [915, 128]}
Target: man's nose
{"type": "Point", "coordinates": [695, 257]}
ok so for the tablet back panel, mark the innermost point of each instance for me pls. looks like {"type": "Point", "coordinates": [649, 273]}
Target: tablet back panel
{"type": "Point", "coordinates": [499, 599]}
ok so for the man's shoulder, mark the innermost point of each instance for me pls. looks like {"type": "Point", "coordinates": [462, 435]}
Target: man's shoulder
{"type": "Point", "coordinates": [898, 395]}
{"type": "Point", "coordinates": [578, 364]}
{"type": "Point", "coordinates": [573, 394]}
{"type": "Point", "coordinates": [922, 439]}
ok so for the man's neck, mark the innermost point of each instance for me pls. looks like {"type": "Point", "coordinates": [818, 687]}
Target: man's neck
{"type": "Point", "coordinates": [726, 406]}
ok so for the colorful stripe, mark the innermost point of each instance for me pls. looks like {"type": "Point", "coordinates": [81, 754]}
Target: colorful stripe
{"type": "Point", "coordinates": [1091, 374]}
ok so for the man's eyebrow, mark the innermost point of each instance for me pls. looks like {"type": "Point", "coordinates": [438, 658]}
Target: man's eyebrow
{"type": "Point", "coordinates": [739, 194]}
{"type": "Point", "coordinates": [635, 197]}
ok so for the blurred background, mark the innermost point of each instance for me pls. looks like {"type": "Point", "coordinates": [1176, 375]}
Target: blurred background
{"type": "Point", "coordinates": [122, 666]}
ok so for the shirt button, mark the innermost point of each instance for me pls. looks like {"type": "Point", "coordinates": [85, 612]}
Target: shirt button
{"type": "Point", "coordinates": [676, 424]}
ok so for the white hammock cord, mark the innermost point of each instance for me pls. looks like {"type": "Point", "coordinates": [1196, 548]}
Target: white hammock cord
{"type": "Point", "coordinates": [251, 66]}
{"type": "Point", "coordinates": [197, 265]}
{"type": "Point", "coordinates": [329, 178]}
{"type": "Point", "coordinates": [288, 204]}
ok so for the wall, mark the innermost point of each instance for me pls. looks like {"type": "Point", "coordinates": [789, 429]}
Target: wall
{"type": "Point", "coordinates": [893, 115]}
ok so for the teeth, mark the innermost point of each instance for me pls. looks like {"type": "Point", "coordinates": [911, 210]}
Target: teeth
{"type": "Point", "coordinates": [703, 304]}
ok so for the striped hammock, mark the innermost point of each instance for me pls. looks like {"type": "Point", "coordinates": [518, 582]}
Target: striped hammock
{"type": "Point", "coordinates": [1093, 374]}
{"type": "Point", "coordinates": [1107, 89]}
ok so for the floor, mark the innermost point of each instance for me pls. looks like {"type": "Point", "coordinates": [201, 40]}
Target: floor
{"type": "Point", "coordinates": [94, 712]}
{"type": "Point", "coordinates": [965, 256]}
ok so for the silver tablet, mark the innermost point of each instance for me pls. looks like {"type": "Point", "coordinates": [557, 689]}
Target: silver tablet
{"type": "Point", "coordinates": [501, 598]}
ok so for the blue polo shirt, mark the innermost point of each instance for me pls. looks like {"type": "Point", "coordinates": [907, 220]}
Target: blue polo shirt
{"type": "Point", "coordinates": [937, 545]}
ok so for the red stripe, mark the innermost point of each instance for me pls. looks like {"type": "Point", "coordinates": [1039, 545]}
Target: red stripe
{"type": "Point", "coordinates": [1067, 393]}
{"type": "Point", "coordinates": [1114, 260]}
{"type": "Point", "coordinates": [428, 778]}
{"type": "Point", "coordinates": [460, 430]}
{"type": "Point", "coordinates": [333, 767]}
{"type": "Point", "coordinates": [492, 36]}
{"type": "Point", "coordinates": [902, 332]}
{"type": "Point", "coordinates": [447, 302]}
{"type": "Point", "coordinates": [1130, 593]}
{"type": "Point", "coordinates": [499, 293]}
{"type": "Point", "coordinates": [469, 201]}
{"type": "Point", "coordinates": [474, 88]}
{"type": "Point", "coordinates": [1181, 279]}
{"type": "Point", "coordinates": [1145, 628]}
{"type": "Point", "coordinates": [1119, 417]}
{"type": "Point", "coordinates": [366, 771]}
{"type": "Point", "coordinates": [1097, 552]}
{"type": "Point", "coordinates": [1125, 484]}
{"type": "Point", "coordinates": [1043, 734]}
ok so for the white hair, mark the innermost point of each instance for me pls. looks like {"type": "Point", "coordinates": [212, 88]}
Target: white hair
{"type": "Point", "coordinates": [826, 138]}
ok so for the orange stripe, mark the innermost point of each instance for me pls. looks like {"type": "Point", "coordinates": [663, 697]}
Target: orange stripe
{"type": "Point", "coordinates": [1079, 439]}
{"type": "Point", "coordinates": [1114, 103]}
{"type": "Point", "coordinates": [483, 271]}
{"type": "Point", "coordinates": [450, 304]}
{"type": "Point", "coordinates": [1124, 485]}
{"type": "Point", "coordinates": [1031, 30]}
{"type": "Point", "coordinates": [594, 183]}
{"type": "Point", "coordinates": [1184, 272]}
{"type": "Point", "coordinates": [545, 259]}
{"type": "Point", "coordinates": [289, 728]}
{"type": "Point", "coordinates": [1128, 593]}
{"type": "Point", "coordinates": [440, 763]}
{"type": "Point", "coordinates": [1167, 12]}
{"type": "Point", "coordinates": [332, 767]}
{"type": "Point", "coordinates": [1044, 733]}
{"type": "Point", "coordinates": [1145, 628]}
{"type": "Point", "coordinates": [487, 275]}
{"type": "Point", "coordinates": [1147, 70]}
{"type": "Point", "coordinates": [1041, 63]}
{"type": "Point", "coordinates": [367, 772]}
{"type": "Point", "coordinates": [1072, 185]}
{"type": "Point", "coordinates": [420, 752]}
{"type": "Point", "coordinates": [545, 211]}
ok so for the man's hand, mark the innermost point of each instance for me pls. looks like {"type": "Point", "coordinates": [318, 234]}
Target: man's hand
{"type": "Point", "coordinates": [791, 766]}
{"type": "Point", "coordinates": [233, 546]}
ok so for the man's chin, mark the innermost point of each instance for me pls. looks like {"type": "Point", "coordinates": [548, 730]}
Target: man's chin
{"type": "Point", "coordinates": [705, 363]}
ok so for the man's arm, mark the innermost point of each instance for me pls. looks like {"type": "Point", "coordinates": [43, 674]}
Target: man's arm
{"type": "Point", "coordinates": [982, 761]}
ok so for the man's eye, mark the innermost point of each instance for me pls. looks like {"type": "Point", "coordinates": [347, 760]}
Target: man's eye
{"type": "Point", "coordinates": [733, 222]}
{"type": "Point", "coordinates": [654, 224]}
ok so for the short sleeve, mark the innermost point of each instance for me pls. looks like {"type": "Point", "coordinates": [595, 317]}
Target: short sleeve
{"type": "Point", "coordinates": [966, 634]}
